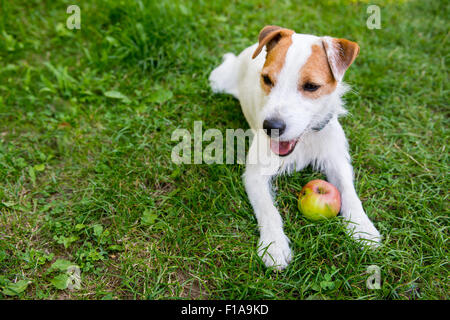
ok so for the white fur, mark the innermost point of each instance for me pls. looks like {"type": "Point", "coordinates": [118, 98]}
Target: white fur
{"type": "Point", "coordinates": [325, 150]}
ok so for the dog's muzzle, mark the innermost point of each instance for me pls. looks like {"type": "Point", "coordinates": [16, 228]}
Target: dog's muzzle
{"type": "Point", "coordinates": [274, 127]}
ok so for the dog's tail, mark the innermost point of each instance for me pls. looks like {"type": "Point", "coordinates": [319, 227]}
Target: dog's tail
{"type": "Point", "coordinates": [224, 78]}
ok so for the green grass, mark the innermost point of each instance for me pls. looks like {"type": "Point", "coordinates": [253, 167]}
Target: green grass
{"type": "Point", "coordinates": [86, 176]}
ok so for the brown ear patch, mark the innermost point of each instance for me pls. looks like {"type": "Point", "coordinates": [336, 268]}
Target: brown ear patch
{"type": "Point", "coordinates": [269, 36]}
{"type": "Point", "coordinates": [277, 41]}
{"type": "Point", "coordinates": [275, 59]}
{"type": "Point", "coordinates": [266, 31]}
{"type": "Point", "coordinates": [316, 71]}
{"type": "Point", "coordinates": [341, 53]}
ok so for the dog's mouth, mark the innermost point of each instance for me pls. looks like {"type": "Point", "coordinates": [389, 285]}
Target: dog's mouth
{"type": "Point", "coordinates": [282, 148]}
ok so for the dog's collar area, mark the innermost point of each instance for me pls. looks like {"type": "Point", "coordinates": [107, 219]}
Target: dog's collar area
{"type": "Point", "coordinates": [322, 124]}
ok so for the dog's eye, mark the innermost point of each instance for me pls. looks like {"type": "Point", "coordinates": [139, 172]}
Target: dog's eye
{"type": "Point", "coordinates": [311, 87]}
{"type": "Point", "coordinates": [267, 80]}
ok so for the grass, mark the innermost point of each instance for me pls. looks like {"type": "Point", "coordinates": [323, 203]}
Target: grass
{"type": "Point", "coordinates": [86, 118]}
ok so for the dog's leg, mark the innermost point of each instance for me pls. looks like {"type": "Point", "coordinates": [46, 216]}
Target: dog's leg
{"type": "Point", "coordinates": [339, 172]}
{"type": "Point", "coordinates": [273, 246]}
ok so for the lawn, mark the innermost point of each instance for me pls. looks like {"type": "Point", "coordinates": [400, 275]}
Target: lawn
{"type": "Point", "coordinates": [86, 177]}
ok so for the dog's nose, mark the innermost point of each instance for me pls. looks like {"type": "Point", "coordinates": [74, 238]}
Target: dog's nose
{"type": "Point", "coordinates": [274, 127]}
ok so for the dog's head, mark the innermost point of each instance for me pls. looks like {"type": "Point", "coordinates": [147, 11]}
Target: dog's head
{"type": "Point", "coordinates": [302, 77]}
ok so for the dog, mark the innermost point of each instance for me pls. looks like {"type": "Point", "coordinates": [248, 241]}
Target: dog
{"type": "Point", "coordinates": [290, 94]}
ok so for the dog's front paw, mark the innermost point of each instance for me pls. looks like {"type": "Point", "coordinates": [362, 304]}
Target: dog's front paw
{"type": "Point", "coordinates": [275, 251]}
{"type": "Point", "coordinates": [365, 232]}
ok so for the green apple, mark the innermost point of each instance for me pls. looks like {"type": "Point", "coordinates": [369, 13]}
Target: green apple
{"type": "Point", "coordinates": [319, 200]}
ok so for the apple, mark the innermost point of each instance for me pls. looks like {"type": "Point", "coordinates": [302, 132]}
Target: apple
{"type": "Point", "coordinates": [319, 200]}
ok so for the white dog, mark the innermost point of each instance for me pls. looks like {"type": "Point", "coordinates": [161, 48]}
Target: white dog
{"type": "Point", "coordinates": [291, 97]}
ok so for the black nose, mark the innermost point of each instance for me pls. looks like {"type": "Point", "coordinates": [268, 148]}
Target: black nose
{"type": "Point", "coordinates": [274, 127]}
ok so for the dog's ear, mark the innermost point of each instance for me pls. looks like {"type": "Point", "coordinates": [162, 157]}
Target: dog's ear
{"type": "Point", "coordinates": [340, 53]}
{"type": "Point", "coordinates": [269, 37]}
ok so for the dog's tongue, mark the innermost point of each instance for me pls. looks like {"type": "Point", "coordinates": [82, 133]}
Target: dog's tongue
{"type": "Point", "coordinates": [282, 148]}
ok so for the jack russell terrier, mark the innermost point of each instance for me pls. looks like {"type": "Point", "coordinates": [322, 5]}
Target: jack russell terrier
{"type": "Point", "coordinates": [291, 97]}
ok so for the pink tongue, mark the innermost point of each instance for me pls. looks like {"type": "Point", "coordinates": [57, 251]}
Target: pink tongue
{"type": "Point", "coordinates": [281, 147]}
